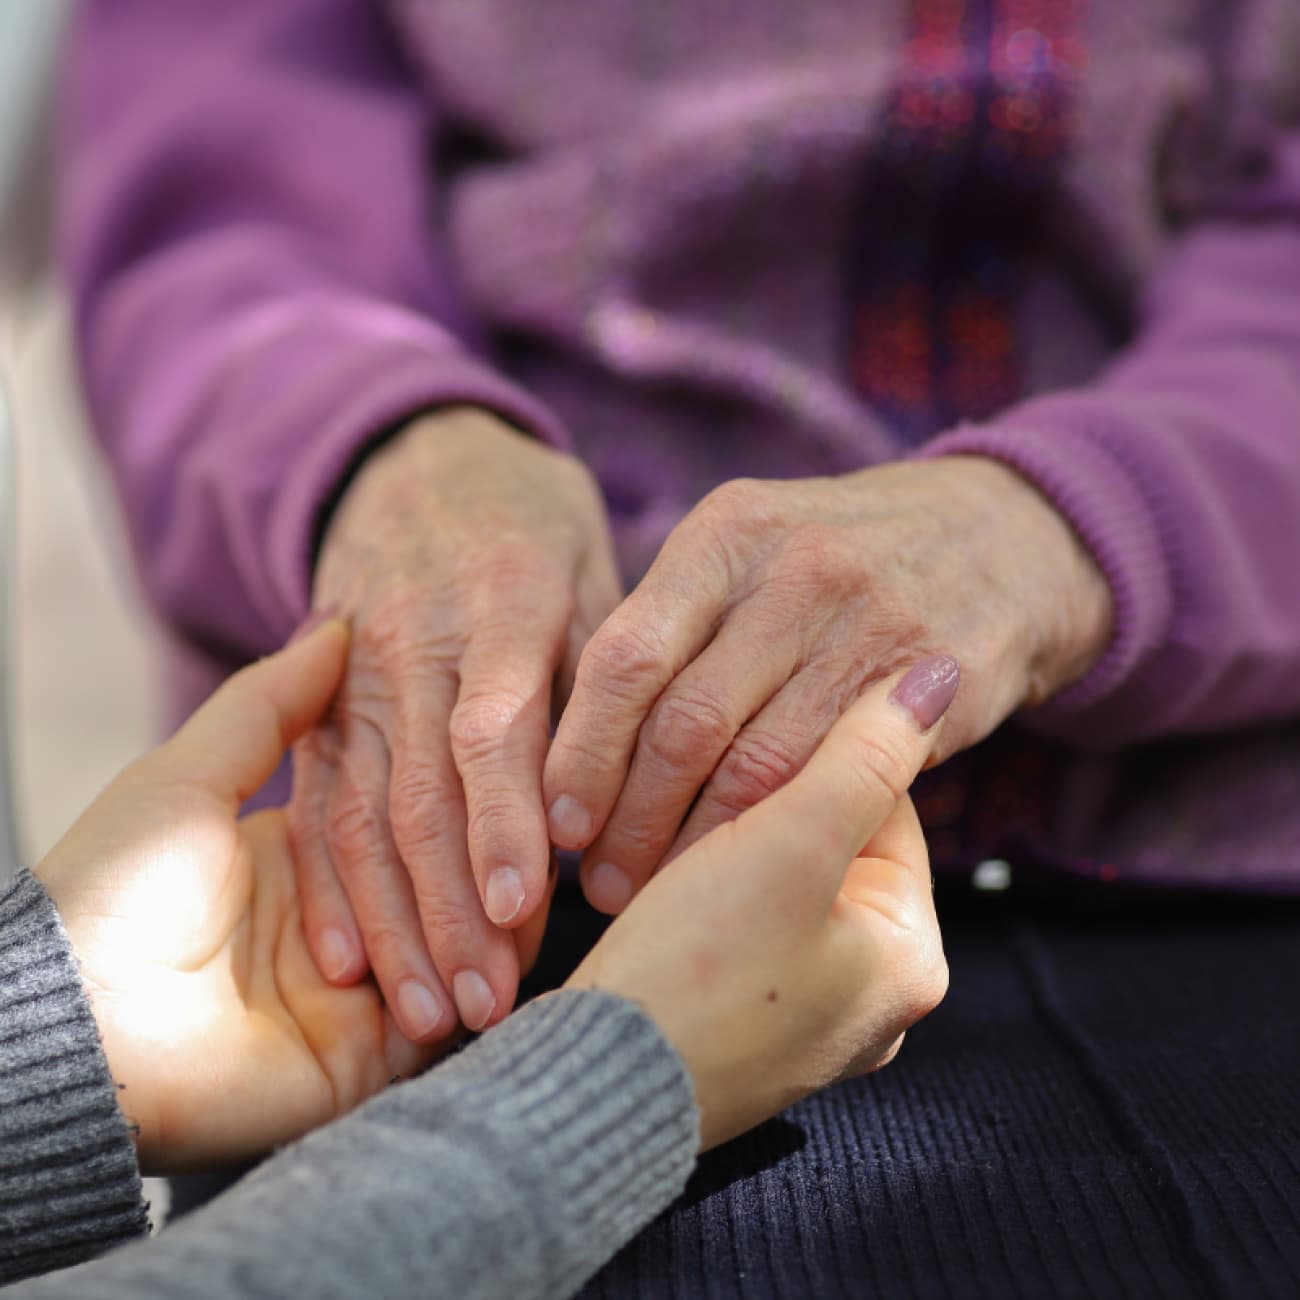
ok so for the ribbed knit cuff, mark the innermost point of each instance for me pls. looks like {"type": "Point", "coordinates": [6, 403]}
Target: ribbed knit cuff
{"type": "Point", "coordinates": [1055, 445]}
{"type": "Point", "coordinates": [599, 1104]}
{"type": "Point", "coordinates": [69, 1182]}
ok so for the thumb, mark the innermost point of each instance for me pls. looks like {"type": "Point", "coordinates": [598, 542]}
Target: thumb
{"type": "Point", "coordinates": [849, 787]}
{"type": "Point", "coordinates": [235, 741]}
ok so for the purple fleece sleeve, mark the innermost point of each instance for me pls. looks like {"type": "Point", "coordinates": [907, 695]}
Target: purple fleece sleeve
{"type": "Point", "coordinates": [1180, 468]}
{"type": "Point", "coordinates": [248, 228]}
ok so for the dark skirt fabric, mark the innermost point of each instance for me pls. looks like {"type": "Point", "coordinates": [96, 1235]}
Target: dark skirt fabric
{"type": "Point", "coordinates": [1107, 1104]}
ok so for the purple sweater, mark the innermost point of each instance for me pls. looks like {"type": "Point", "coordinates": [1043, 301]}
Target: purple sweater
{"type": "Point", "coordinates": [700, 239]}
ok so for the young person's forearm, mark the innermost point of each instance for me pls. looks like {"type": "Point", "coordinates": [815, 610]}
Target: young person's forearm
{"type": "Point", "coordinates": [69, 1182]}
{"type": "Point", "coordinates": [516, 1168]}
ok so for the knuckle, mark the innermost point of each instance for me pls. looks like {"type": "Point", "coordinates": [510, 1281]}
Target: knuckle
{"type": "Point", "coordinates": [758, 765]}
{"type": "Point", "coordinates": [412, 626]}
{"type": "Point", "coordinates": [724, 521]}
{"type": "Point", "coordinates": [450, 926]}
{"type": "Point", "coordinates": [417, 796]}
{"type": "Point", "coordinates": [813, 558]}
{"type": "Point", "coordinates": [511, 565]}
{"type": "Point", "coordinates": [926, 987]}
{"type": "Point", "coordinates": [878, 766]}
{"type": "Point", "coordinates": [493, 818]}
{"type": "Point", "coordinates": [738, 498]}
{"type": "Point", "coordinates": [479, 724]}
{"type": "Point", "coordinates": [638, 842]}
{"type": "Point", "coordinates": [685, 728]}
{"type": "Point", "coordinates": [576, 758]}
{"type": "Point", "coordinates": [919, 972]}
{"type": "Point", "coordinates": [354, 830]}
{"type": "Point", "coordinates": [620, 653]}
{"type": "Point", "coordinates": [386, 626]}
{"type": "Point", "coordinates": [388, 944]}
{"type": "Point", "coordinates": [304, 826]}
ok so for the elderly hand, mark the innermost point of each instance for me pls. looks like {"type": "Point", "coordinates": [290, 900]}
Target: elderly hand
{"type": "Point", "coordinates": [474, 564]}
{"type": "Point", "coordinates": [778, 955]}
{"type": "Point", "coordinates": [770, 609]}
{"type": "Point", "coordinates": [186, 925]}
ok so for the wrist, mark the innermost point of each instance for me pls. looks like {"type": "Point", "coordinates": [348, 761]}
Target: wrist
{"type": "Point", "coordinates": [105, 954]}
{"type": "Point", "coordinates": [54, 1093]}
{"type": "Point", "coordinates": [434, 436]}
{"type": "Point", "coordinates": [123, 1037]}
{"type": "Point", "coordinates": [1068, 609]}
{"type": "Point", "coordinates": [415, 445]}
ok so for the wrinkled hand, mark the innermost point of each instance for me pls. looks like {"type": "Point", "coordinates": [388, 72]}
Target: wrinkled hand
{"type": "Point", "coordinates": [474, 564]}
{"type": "Point", "coordinates": [771, 607]}
{"type": "Point", "coordinates": [795, 957]}
{"type": "Point", "coordinates": [185, 922]}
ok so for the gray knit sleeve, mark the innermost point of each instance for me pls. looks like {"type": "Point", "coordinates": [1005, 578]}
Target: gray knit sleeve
{"type": "Point", "coordinates": [515, 1169]}
{"type": "Point", "coordinates": [69, 1183]}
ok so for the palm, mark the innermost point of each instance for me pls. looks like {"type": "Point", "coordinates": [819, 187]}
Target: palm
{"type": "Point", "coordinates": [203, 982]}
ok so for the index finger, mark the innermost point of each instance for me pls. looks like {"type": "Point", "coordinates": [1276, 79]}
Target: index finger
{"type": "Point", "coordinates": [851, 784]}
{"type": "Point", "coordinates": [659, 629]}
{"type": "Point", "coordinates": [498, 732]}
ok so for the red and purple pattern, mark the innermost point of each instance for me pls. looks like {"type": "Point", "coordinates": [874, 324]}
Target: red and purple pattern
{"type": "Point", "coordinates": [952, 209]}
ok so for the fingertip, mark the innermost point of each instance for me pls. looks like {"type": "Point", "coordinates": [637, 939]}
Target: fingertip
{"type": "Point", "coordinates": [475, 1000]}
{"type": "Point", "coordinates": [928, 689]}
{"type": "Point", "coordinates": [319, 635]}
{"type": "Point", "coordinates": [237, 737]}
{"type": "Point", "coordinates": [608, 888]}
{"type": "Point", "coordinates": [340, 958]}
{"type": "Point", "coordinates": [571, 826]}
{"type": "Point", "coordinates": [528, 936]}
{"type": "Point", "coordinates": [504, 898]}
{"type": "Point", "coordinates": [315, 619]}
{"type": "Point", "coordinates": [421, 1014]}
{"type": "Point", "coordinates": [404, 1058]}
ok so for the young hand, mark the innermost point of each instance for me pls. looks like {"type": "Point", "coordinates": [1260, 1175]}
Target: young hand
{"type": "Point", "coordinates": [778, 954]}
{"type": "Point", "coordinates": [186, 922]}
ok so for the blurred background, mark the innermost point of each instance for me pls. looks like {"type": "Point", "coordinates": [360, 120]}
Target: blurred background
{"type": "Point", "coordinates": [82, 695]}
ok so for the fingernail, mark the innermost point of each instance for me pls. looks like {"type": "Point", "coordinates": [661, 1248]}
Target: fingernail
{"type": "Point", "coordinates": [474, 999]}
{"type": "Point", "coordinates": [418, 1010]}
{"type": "Point", "coordinates": [570, 822]}
{"type": "Point", "coordinates": [504, 895]}
{"type": "Point", "coordinates": [608, 888]}
{"type": "Point", "coordinates": [313, 620]}
{"type": "Point", "coordinates": [928, 689]}
{"type": "Point", "coordinates": [334, 954]}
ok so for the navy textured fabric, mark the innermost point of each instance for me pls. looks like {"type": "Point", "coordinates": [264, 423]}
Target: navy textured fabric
{"type": "Point", "coordinates": [1106, 1105]}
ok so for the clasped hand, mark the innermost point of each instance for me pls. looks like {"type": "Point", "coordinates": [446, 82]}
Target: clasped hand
{"type": "Point", "coordinates": [776, 955]}
{"type": "Point", "coordinates": [476, 567]}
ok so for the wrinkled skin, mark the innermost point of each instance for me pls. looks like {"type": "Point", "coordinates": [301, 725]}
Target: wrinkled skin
{"type": "Point", "coordinates": [797, 957]}
{"type": "Point", "coordinates": [473, 564]}
{"type": "Point", "coordinates": [771, 608]}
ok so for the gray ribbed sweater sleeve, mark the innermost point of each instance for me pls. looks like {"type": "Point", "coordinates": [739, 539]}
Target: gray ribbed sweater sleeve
{"type": "Point", "coordinates": [515, 1169]}
{"type": "Point", "coordinates": [69, 1185]}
